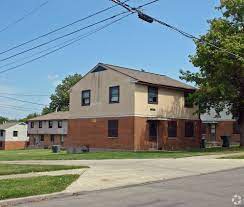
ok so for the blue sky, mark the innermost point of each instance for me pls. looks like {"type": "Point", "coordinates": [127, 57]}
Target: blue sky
{"type": "Point", "coordinates": [130, 43]}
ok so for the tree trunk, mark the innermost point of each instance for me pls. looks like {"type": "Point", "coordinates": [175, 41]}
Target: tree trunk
{"type": "Point", "coordinates": [242, 128]}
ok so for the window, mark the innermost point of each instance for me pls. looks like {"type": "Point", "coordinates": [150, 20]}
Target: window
{"type": "Point", "coordinates": [204, 128]}
{"type": "Point", "coordinates": [189, 129]}
{"type": "Point", "coordinates": [1, 144]}
{"type": "Point", "coordinates": [172, 129]}
{"type": "Point", "coordinates": [32, 124]}
{"type": "Point", "coordinates": [1, 133]}
{"type": "Point", "coordinates": [114, 94]}
{"type": "Point", "coordinates": [113, 126]}
{"type": "Point", "coordinates": [42, 138]}
{"type": "Point", "coordinates": [40, 124]}
{"type": "Point", "coordinates": [50, 124]}
{"type": "Point", "coordinates": [15, 133]}
{"type": "Point", "coordinates": [153, 130]}
{"type": "Point", "coordinates": [236, 128]}
{"type": "Point", "coordinates": [52, 138]}
{"type": "Point", "coordinates": [86, 98]}
{"type": "Point", "coordinates": [188, 103]}
{"type": "Point", "coordinates": [60, 124]}
{"type": "Point", "coordinates": [152, 95]}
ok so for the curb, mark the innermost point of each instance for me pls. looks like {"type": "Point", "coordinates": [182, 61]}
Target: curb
{"type": "Point", "coordinates": [32, 199]}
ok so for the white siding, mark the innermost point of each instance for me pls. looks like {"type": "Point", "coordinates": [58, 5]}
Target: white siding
{"type": "Point", "coordinates": [22, 133]}
{"type": "Point", "coordinates": [45, 128]}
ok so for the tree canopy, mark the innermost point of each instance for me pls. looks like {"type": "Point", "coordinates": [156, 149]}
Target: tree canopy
{"type": "Point", "coordinates": [220, 76]}
{"type": "Point", "coordinates": [60, 99]}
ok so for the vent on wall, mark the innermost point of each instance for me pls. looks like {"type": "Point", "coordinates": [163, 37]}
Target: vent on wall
{"type": "Point", "coordinates": [98, 69]}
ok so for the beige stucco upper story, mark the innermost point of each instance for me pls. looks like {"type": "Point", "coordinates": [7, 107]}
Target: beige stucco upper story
{"type": "Point", "coordinates": [99, 84]}
{"type": "Point", "coordinates": [133, 98]}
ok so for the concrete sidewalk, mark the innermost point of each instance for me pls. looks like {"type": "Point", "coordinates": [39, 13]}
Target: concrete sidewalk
{"type": "Point", "coordinates": [104, 174]}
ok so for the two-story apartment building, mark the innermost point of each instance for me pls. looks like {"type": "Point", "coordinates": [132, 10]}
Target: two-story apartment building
{"type": "Point", "coordinates": [47, 130]}
{"type": "Point", "coordinates": [13, 135]}
{"type": "Point", "coordinates": [114, 107]}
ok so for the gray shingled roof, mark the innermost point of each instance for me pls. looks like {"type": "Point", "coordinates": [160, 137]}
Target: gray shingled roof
{"type": "Point", "coordinates": [7, 125]}
{"type": "Point", "coordinates": [52, 116]}
{"type": "Point", "coordinates": [150, 78]}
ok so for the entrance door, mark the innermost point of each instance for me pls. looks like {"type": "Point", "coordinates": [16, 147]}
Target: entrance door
{"type": "Point", "coordinates": [153, 133]}
{"type": "Point", "coordinates": [213, 132]}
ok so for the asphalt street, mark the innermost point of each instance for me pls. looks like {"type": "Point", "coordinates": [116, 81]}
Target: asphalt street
{"type": "Point", "coordinates": [214, 189]}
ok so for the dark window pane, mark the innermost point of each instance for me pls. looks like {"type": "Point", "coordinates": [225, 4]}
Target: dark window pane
{"type": "Point", "coordinates": [50, 124]}
{"type": "Point", "coordinates": [113, 126]}
{"type": "Point", "coordinates": [86, 98]}
{"type": "Point", "coordinates": [60, 124]}
{"type": "Point", "coordinates": [15, 133]}
{"type": "Point", "coordinates": [32, 124]}
{"type": "Point", "coordinates": [1, 133]}
{"type": "Point", "coordinates": [152, 95]}
{"type": "Point", "coordinates": [172, 129]}
{"type": "Point", "coordinates": [114, 94]}
{"type": "Point", "coordinates": [42, 138]}
{"type": "Point", "coordinates": [189, 129]}
{"type": "Point", "coordinates": [40, 124]}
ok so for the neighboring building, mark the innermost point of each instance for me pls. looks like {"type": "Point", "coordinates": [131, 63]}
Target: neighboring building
{"type": "Point", "coordinates": [48, 130]}
{"type": "Point", "coordinates": [213, 127]}
{"type": "Point", "coordinates": [13, 136]}
{"type": "Point", "coordinates": [113, 107]}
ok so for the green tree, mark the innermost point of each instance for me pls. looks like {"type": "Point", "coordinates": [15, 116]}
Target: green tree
{"type": "Point", "coordinates": [60, 99]}
{"type": "Point", "coordinates": [221, 75]}
{"type": "Point", "coordinates": [30, 116]}
{"type": "Point", "coordinates": [3, 119]}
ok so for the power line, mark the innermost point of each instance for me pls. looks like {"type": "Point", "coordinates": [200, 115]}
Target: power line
{"type": "Point", "coordinates": [19, 94]}
{"type": "Point", "coordinates": [24, 17]}
{"type": "Point", "coordinates": [24, 101]}
{"type": "Point", "coordinates": [20, 107]}
{"type": "Point", "coordinates": [61, 28]}
{"type": "Point", "coordinates": [63, 36]}
{"type": "Point", "coordinates": [74, 41]}
{"type": "Point", "coordinates": [66, 45]}
{"type": "Point", "coordinates": [150, 19]}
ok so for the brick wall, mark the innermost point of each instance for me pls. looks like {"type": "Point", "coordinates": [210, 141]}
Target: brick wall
{"type": "Point", "coordinates": [223, 128]}
{"type": "Point", "coordinates": [142, 141]}
{"type": "Point", "coordinates": [133, 135]}
{"type": "Point", "coordinates": [94, 133]}
{"type": "Point", "coordinates": [14, 145]}
{"type": "Point", "coordinates": [47, 141]}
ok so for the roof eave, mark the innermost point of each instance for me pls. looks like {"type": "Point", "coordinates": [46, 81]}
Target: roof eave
{"type": "Point", "coordinates": [166, 86]}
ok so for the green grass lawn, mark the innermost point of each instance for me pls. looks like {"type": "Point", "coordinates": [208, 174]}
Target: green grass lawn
{"type": "Point", "coordinates": [16, 188]}
{"type": "Point", "coordinates": [63, 155]}
{"type": "Point", "coordinates": [8, 169]}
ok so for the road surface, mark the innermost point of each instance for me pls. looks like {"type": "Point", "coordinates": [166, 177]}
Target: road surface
{"type": "Point", "coordinates": [214, 189]}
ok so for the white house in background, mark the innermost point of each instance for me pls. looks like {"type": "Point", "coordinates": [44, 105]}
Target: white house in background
{"type": "Point", "coordinates": [13, 135]}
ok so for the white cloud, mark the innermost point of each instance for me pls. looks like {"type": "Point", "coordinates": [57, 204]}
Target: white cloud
{"type": "Point", "coordinates": [52, 77]}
